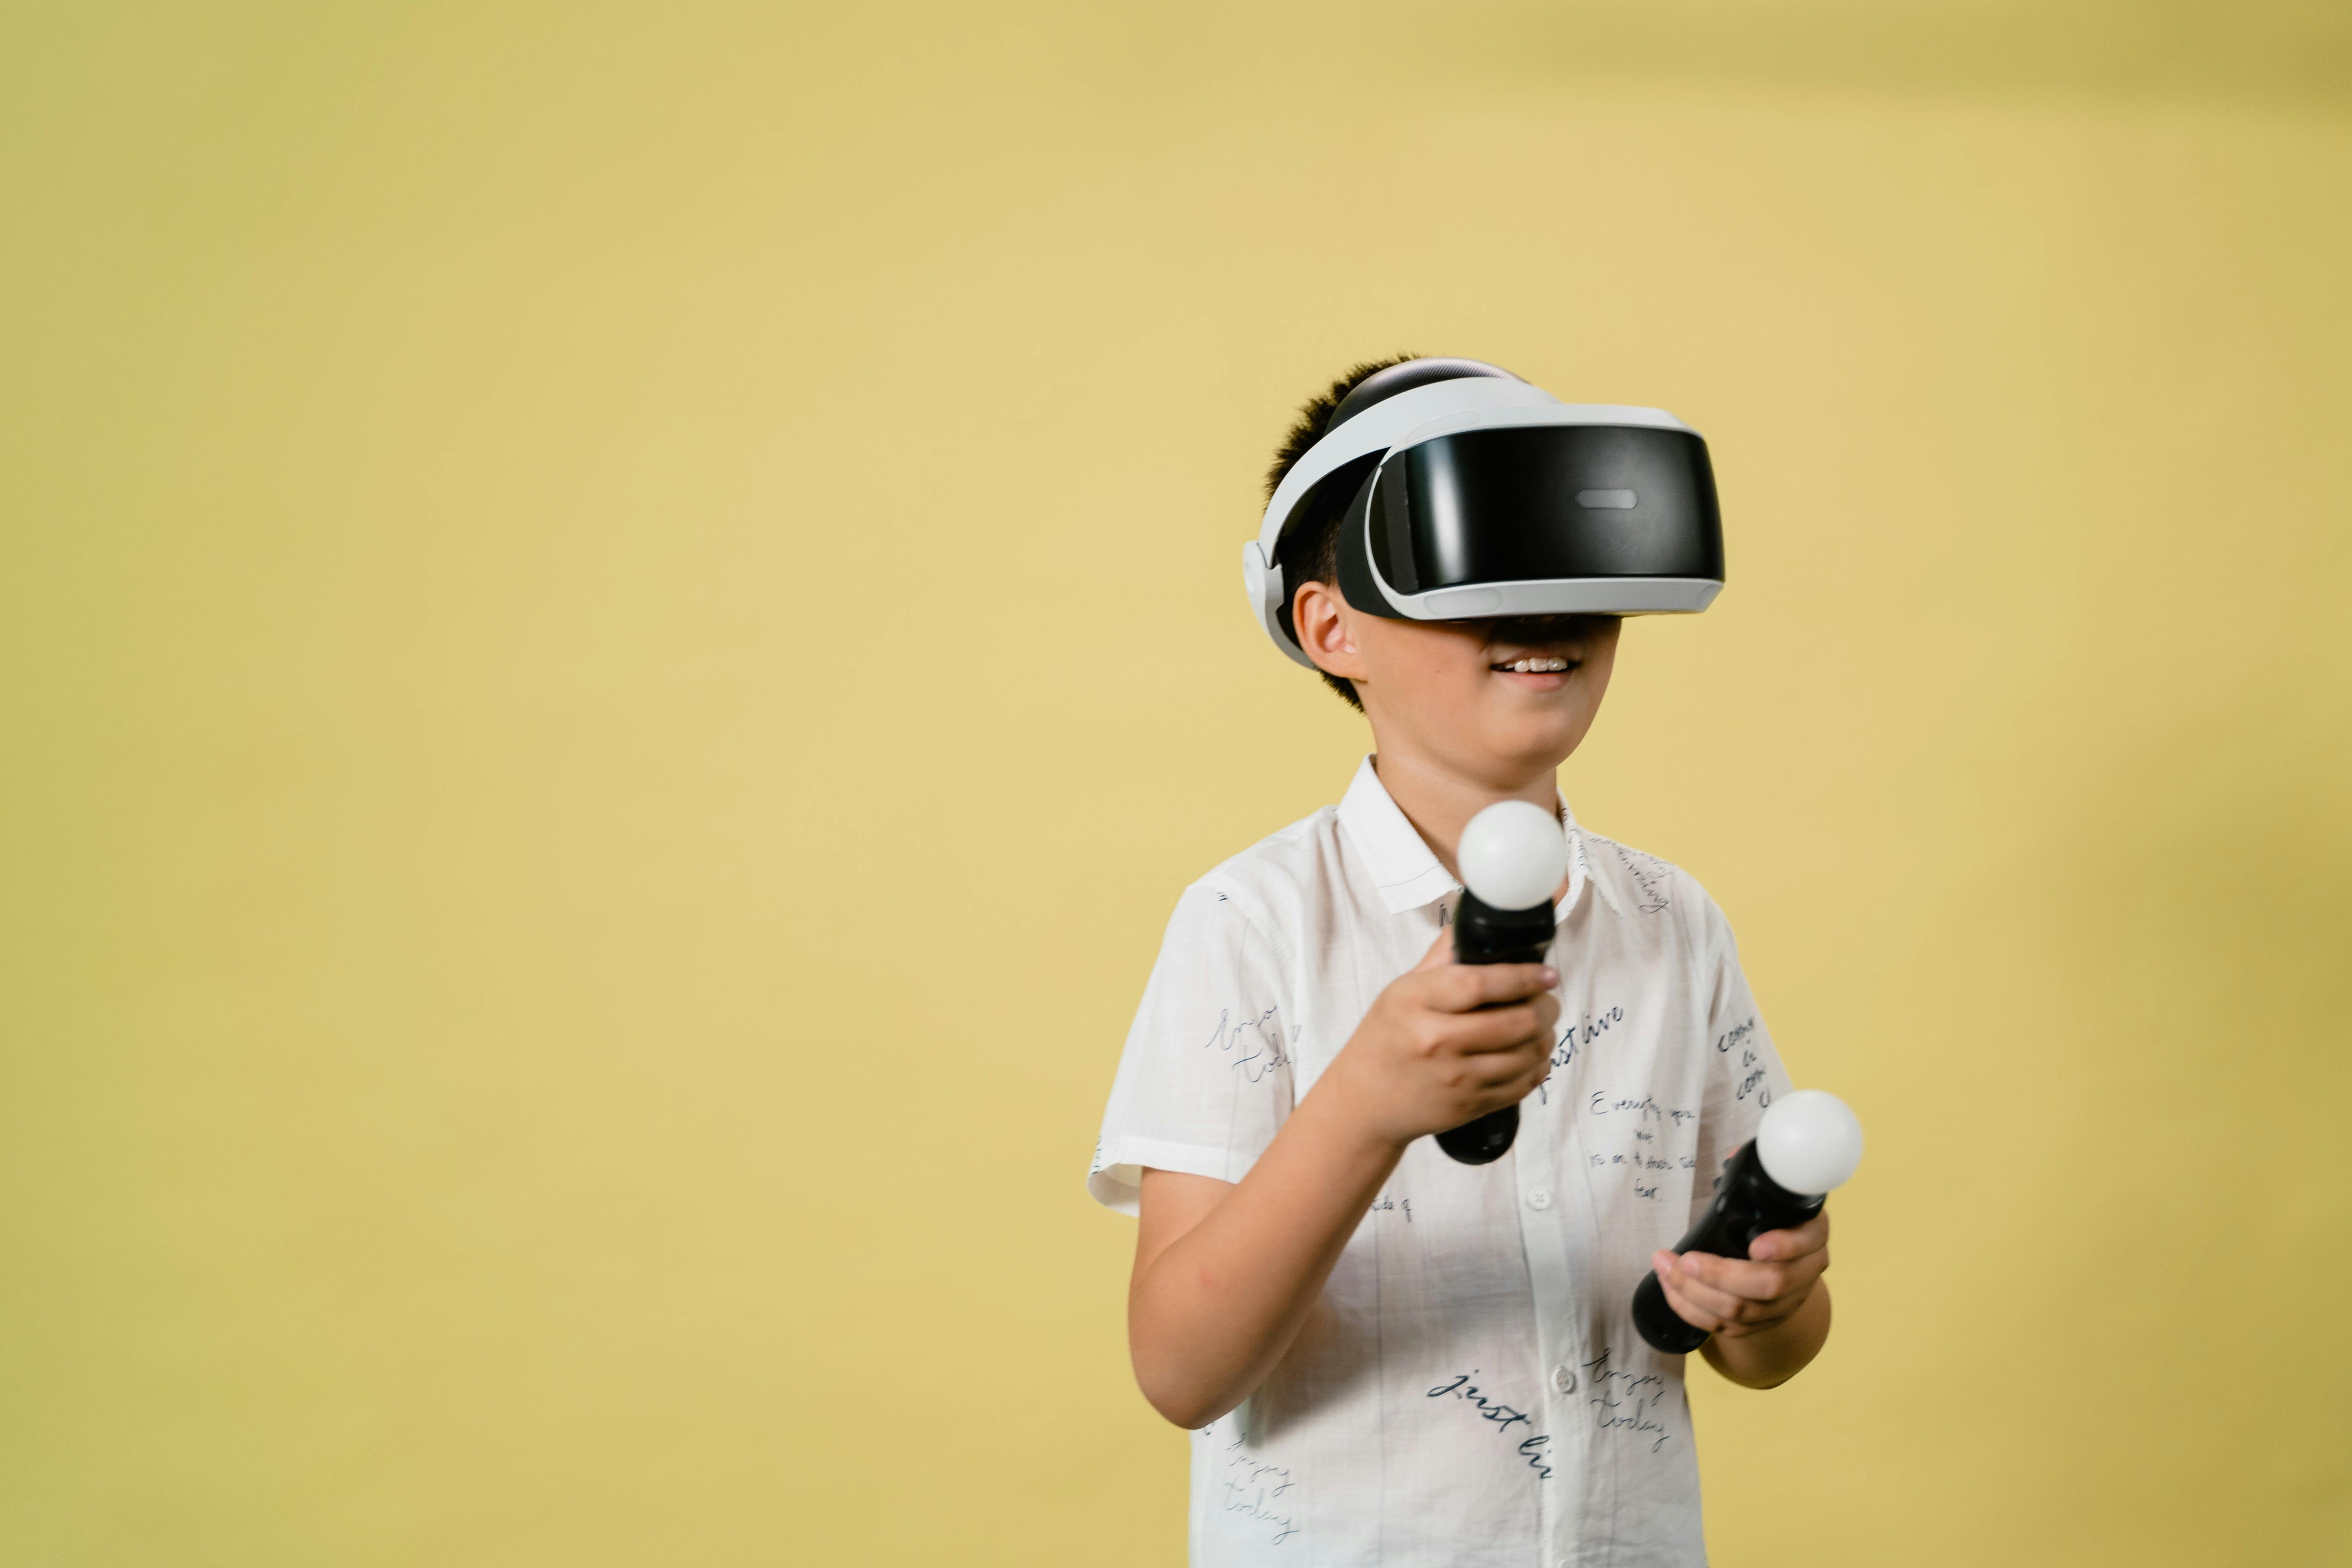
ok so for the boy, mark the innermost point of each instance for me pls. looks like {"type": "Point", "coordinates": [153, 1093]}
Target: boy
{"type": "Point", "coordinates": [1387, 1357]}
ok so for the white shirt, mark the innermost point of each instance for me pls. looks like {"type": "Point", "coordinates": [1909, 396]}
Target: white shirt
{"type": "Point", "coordinates": [1470, 1390]}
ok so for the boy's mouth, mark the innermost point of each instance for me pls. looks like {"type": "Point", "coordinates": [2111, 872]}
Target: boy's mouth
{"type": "Point", "coordinates": [1536, 653]}
{"type": "Point", "coordinates": [1536, 671]}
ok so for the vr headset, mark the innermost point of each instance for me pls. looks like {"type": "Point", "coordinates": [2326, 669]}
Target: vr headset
{"type": "Point", "coordinates": [1470, 494]}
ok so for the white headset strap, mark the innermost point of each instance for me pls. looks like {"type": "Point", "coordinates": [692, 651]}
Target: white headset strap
{"type": "Point", "coordinates": [1381, 427]}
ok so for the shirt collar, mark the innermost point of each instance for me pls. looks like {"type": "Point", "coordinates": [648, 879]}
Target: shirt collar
{"type": "Point", "coordinates": [1407, 872]}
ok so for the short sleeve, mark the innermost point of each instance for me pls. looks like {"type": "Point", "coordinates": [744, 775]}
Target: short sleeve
{"type": "Point", "coordinates": [1743, 1070]}
{"type": "Point", "coordinates": [1205, 1080]}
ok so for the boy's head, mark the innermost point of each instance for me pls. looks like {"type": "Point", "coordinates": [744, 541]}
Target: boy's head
{"type": "Point", "coordinates": [1507, 699]}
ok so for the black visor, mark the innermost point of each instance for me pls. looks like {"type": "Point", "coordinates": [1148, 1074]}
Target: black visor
{"type": "Point", "coordinates": [1529, 503]}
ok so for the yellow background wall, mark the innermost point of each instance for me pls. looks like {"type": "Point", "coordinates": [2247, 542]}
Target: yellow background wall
{"type": "Point", "coordinates": [620, 624]}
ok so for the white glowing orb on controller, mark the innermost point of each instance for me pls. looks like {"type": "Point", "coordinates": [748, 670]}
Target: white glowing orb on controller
{"type": "Point", "coordinates": [1513, 854]}
{"type": "Point", "coordinates": [1810, 1141]}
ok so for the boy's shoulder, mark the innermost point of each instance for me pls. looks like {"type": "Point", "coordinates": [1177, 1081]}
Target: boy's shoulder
{"type": "Point", "coordinates": [1279, 875]}
{"type": "Point", "coordinates": [1291, 884]}
{"type": "Point", "coordinates": [1642, 887]}
{"type": "Point", "coordinates": [1639, 882]}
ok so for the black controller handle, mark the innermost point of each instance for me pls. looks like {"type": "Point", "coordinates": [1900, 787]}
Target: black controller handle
{"type": "Point", "coordinates": [1484, 934]}
{"type": "Point", "coordinates": [1747, 1203]}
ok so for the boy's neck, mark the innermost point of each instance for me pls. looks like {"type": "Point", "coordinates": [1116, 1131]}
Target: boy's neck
{"type": "Point", "coordinates": [1439, 801]}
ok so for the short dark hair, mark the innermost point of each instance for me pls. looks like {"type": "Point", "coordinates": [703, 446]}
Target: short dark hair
{"type": "Point", "coordinates": [1309, 550]}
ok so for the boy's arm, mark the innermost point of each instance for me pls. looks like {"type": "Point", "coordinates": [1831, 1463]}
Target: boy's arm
{"type": "Point", "coordinates": [1769, 1312]}
{"type": "Point", "coordinates": [1227, 1273]}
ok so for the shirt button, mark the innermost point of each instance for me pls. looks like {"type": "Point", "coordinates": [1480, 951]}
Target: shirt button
{"type": "Point", "coordinates": [1538, 1198]}
{"type": "Point", "coordinates": [1563, 1380]}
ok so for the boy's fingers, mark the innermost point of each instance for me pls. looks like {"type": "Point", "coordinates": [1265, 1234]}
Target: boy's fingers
{"type": "Point", "coordinates": [1738, 1280]}
{"type": "Point", "coordinates": [1785, 1246]}
{"type": "Point", "coordinates": [1697, 1293]}
{"type": "Point", "coordinates": [1497, 1029]}
{"type": "Point", "coordinates": [1527, 1082]}
{"type": "Point", "coordinates": [1471, 986]}
{"type": "Point", "coordinates": [1689, 1311]}
{"type": "Point", "coordinates": [1721, 1306]}
{"type": "Point", "coordinates": [1500, 1069]}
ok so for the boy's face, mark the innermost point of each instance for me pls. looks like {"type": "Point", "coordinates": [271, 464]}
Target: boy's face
{"type": "Point", "coordinates": [1501, 701]}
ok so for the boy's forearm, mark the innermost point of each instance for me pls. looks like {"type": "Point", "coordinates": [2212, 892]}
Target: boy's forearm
{"type": "Point", "coordinates": [1210, 1315]}
{"type": "Point", "coordinates": [1769, 1359]}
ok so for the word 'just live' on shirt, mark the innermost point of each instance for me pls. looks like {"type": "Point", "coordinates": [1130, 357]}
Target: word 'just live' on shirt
{"type": "Point", "coordinates": [1470, 1389]}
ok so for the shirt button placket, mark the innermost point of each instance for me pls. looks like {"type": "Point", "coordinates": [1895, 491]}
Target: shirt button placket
{"type": "Point", "coordinates": [1545, 1220]}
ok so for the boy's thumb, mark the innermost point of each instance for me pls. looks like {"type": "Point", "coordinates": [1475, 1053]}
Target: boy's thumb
{"type": "Point", "coordinates": [1440, 952]}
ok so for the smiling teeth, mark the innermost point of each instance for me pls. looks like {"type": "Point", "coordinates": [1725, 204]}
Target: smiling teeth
{"type": "Point", "coordinates": [1538, 665]}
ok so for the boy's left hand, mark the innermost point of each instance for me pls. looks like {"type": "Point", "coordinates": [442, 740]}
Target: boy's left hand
{"type": "Point", "coordinates": [1732, 1297]}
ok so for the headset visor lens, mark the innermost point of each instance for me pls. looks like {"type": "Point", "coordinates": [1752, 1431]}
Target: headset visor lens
{"type": "Point", "coordinates": [1529, 502]}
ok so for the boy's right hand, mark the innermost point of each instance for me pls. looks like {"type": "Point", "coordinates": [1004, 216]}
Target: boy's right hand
{"type": "Point", "coordinates": [1435, 1052]}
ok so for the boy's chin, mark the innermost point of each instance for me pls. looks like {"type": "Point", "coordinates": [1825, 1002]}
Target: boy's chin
{"type": "Point", "coordinates": [1534, 736]}
{"type": "Point", "coordinates": [1550, 698]}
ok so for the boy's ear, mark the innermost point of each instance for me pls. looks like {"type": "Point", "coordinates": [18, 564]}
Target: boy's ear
{"type": "Point", "coordinates": [1326, 628]}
